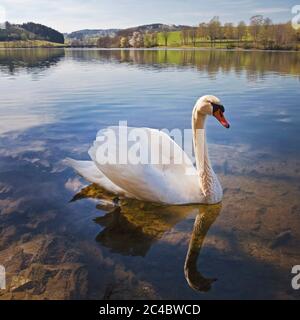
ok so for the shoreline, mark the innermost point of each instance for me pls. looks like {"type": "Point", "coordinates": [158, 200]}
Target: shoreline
{"type": "Point", "coordinates": [149, 49]}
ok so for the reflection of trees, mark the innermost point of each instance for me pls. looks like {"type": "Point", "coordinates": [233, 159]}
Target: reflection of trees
{"type": "Point", "coordinates": [130, 227]}
{"type": "Point", "coordinates": [12, 60]}
{"type": "Point", "coordinates": [254, 63]}
{"type": "Point", "coordinates": [210, 61]}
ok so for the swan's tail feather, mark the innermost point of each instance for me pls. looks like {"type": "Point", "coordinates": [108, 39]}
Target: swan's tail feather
{"type": "Point", "coordinates": [86, 169]}
{"type": "Point", "coordinates": [89, 171]}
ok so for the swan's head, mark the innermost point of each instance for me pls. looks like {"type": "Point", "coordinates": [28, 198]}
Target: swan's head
{"type": "Point", "coordinates": [211, 105]}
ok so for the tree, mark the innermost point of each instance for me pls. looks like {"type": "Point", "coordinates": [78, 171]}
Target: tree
{"type": "Point", "coordinates": [214, 29]}
{"type": "Point", "coordinates": [266, 35]}
{"type": "Point", "coordinates": [203, 31]}
{"type": "Point", "coordinates": [124, 43]}
{"type": "Point", "coordinates": [76, 43]}
{"type": "Point", "coordinates": [229, 31]}
{"type": "Point", "coordinates": [284, 36]}
{"type": "Point", "coordinates": [241, 30]}
{"type": "Point", "coordinates": [256, 23]}
{"type": "Point", "coordinates": [298, 35]}
{"type": "Point", "coordinates": [193, 35]}
{"type": "Point", "coordinates": [147, 40]}
{"type": "Point", "coordinates": [137, 40]}
{"type": "Point", "coordinates": [154, 40]}
{"type": "Point", "coordinates": [185, 36]}
{"type": "Point", "coordinates": [104, 42]}
{"type": "Point", "coordinates": [165, 34]}
{"type": "Point", "coordinates": [289, 35]}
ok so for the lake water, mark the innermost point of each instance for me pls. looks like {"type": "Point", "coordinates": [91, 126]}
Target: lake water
{"type": "Point", "coordinates": [52, 103]}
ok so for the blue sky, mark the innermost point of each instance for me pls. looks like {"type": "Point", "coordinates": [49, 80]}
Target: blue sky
{"type": "Point", "coordinates": [70, 15]}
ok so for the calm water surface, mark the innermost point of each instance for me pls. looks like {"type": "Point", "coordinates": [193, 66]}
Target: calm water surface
{"type": "Point", "coordinates": [54, 101]}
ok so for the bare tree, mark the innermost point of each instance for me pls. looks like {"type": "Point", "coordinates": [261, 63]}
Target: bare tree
{"type": "Point", "coordinates": [214, 29]}
{"type": "Point", "coordinates": [203, 31]}
{"type": "Point", "coordinates": [241, 30]}
{"type": "Point", "coordinates": [298, 35]}
{"type": "Point", "coordinates": [229, 31]}
{"type": "Point", "coordinates": [256, 23]}
{"type": "Point", "coordinates": [185, 36]}
{"type": "Point", "coordinates": [76, 43]}
{"type": "Point", "coordinates": [104, 42]}
{"type": "Point", "coordinates": [193, 35]}
{"type": "Point", "coordinates": [289, 35]}
{"type": "Point", "coordinates": [266, 35]}
{"type": "Point", "coordinates": [165, 34]}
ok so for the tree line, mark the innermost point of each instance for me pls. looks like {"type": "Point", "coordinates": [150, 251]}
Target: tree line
{"type": "Point", "coordinates": [259, 33]}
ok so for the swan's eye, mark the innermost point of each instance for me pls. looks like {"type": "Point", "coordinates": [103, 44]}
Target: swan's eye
{"type": "Point", "coordinates": [217, 107]}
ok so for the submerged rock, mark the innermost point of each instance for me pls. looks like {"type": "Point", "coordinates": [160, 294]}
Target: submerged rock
{"type": "Point", "coordinates": [282, 239]}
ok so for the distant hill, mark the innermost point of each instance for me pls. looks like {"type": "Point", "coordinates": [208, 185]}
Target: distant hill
{"type": "Point", "coordinates": [30, 31]}
{"type": "Point", "coordinates": [95, 33]}
{"type": "Point", "coordinates": [155, 27]}
{"type": "Point", "coordinates": [92, 33]}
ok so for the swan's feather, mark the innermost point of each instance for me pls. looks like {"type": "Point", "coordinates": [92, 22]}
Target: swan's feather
{"type": "Point", "coordinates": [167, 183]}
{"type": "Point", "coordinates": [89, 171]}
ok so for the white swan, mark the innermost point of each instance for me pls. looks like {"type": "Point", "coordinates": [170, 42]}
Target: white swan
{"type": "Point", "coordinates": [163, 183]}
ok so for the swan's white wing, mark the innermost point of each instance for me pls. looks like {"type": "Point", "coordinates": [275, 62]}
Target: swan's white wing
{"type": "Point", "coordinates": [165, 181]}
{"type": "Point", "coordinates": [89, 171]}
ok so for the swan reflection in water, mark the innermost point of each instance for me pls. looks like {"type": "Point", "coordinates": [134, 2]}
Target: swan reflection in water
{"type": "Point", "coordinates": [130, 227]}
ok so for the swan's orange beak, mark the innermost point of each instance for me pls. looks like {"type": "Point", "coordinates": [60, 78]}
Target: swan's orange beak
{"type": "Point", "coordinates": [219, 115]}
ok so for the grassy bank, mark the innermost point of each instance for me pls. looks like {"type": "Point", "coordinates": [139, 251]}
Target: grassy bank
{"type": "Point", "coordinates": [30, 44]}
{"type": "Point", "coordinates": [175, 41]}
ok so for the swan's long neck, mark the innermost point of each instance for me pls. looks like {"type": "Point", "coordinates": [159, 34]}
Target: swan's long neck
{"type": "Point", "coordinates": [207, 178]}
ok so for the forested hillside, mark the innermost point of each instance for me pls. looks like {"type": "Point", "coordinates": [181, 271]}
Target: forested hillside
{"type": "Point", "coordinates": [30, 31]}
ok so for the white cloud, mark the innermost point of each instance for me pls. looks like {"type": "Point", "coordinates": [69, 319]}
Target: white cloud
{"type": "Point", "coordinates": [2, 14]}
{"type": "Point", "coordinates": [203, 14]}
{"type": "Point", "coordinates": [271, 10]}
